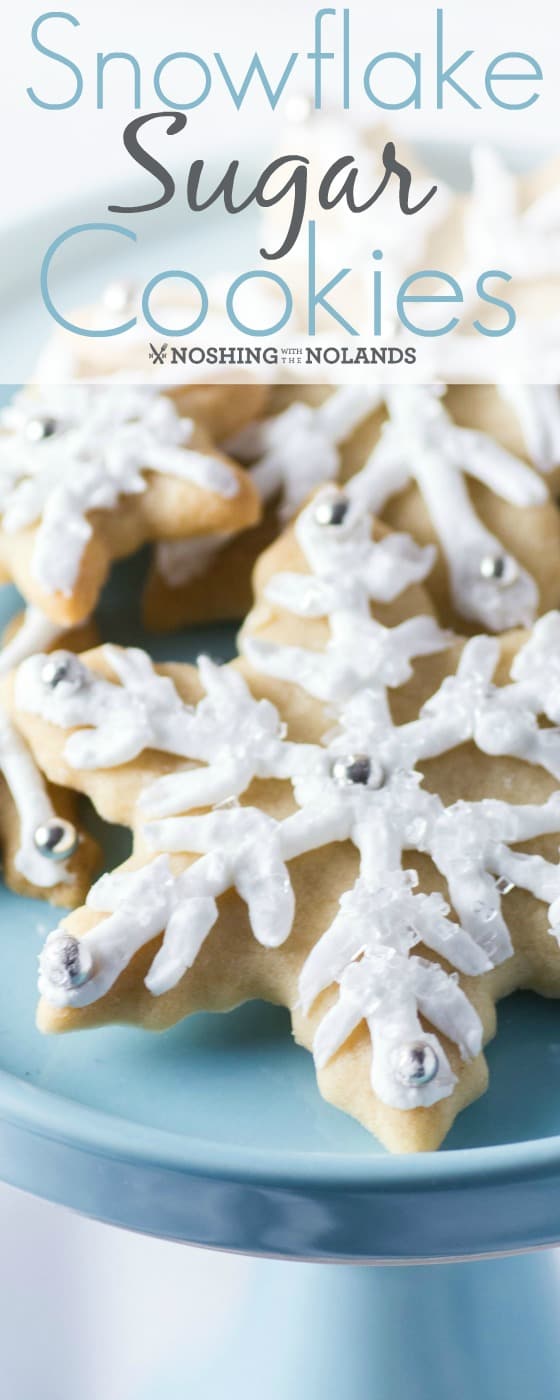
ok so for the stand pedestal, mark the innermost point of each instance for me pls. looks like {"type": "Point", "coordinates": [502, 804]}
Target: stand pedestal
{"type": "Point", "coordinates": [470, 1331]}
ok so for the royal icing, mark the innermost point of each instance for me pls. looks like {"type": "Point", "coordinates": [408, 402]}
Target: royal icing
{"type": "Point", "coordinates": [33, 805]}
{"type": "Point", "coordinates": [421, 443]}
{"type": "Point", "coordinates": [237, 737]}
{"type": "Point", "coordinates": [34, 809]}
{"type": "Point", "coordinates": [359, 652]}
{"type": "Point", "coordinates": [294, 451]}
{"type": "Point", "coordinates": [527, 242]}
{"type": "Point", "coordinates": [67, 451]}
{"type": "Point", "coordinates": [347, 568]}
{"type": "Point", "coordinates": [34, 633]}
{"type": "Point", "coordinates": [240, 849]}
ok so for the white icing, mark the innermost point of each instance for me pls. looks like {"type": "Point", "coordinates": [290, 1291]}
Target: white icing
{"type": "Point", "coordinates": [420, 442]}
{"type": "Point", "coordinates": [469, 844]}
{"type": "Point", "coordinates": [250, 848]}
{"type": "Point", "coordinates": [33, 805]}
{"type": "Point", "coordinates": [499, 719]}
{"type": "Point", "coordinates": [237, 737]}
{"type": "Point", "coordinates": [347, 568]}
{"type": "Point", "coordinates": [380, 982]}
{"type": "Point", "coordinates": [536, 668]}
{"type": "Point", "coordinates": [34, 633]}
{"type": "Point", "coordinates": [103, 441]}
{"type": "Point", "coordinates": [294, 451]}
{"type": "Point", "coordinates": [241, 850]}
{"type": "Point", "coordinates": [114, 723]}
{"type": "Point", "coordinates": [141, 904]}
{"type": "Point", "coordinates": [360, 652]}
{"type": "Point", "coordinates": [396, 919]}
{"type": "Point", "coordinates": [499, 233]}
{"type": "Point", "coordinates": [19, 770]}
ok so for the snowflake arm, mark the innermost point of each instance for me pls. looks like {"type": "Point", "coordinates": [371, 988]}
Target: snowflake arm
{"type": "Point", "coordinates": [473, 555]}
{"type": "Point", "coordinates": [34, 634]}
{"type": "Point", "coordinates": [484, 459]}
{"type": "Point", "coordinates": [536, 668]}
{"type": "Point", "coordinates": [237, 737]}
{"type": "Point", "coordinates": [348, 568]}
{"type": "Point", "coordinates": [487, 584]}
{"type": "Point", "coordinates": [342, 412]}
{"type": "Point", "coordinates": [501, 720]}
{"type": "Point", "coordinates": [385, 474]}
{"type": "Point", "coordinates": [391, 916]}
{"type": "Point", "coordinates": [469, 846]}
{"type": "Point", "coordinates": [175, 904]}
{"type": "Point", "coordinates": [389, 997]}
{"type": "Point", "coordinates": [360, 652]}
{"type": "Point", "coordinates": [34, 809]}
{"type": "Point", "coordinates": [250, 848]}
{"type": "Point", "coordinates": [296, 450]}
{"type": "Point", "coordinates": [117, 721]}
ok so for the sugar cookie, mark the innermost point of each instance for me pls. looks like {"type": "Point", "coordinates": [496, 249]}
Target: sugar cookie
{"type": "Point", "coordinates": [88, 474]}
{"type": "Point", "coordinates": [327, 824]}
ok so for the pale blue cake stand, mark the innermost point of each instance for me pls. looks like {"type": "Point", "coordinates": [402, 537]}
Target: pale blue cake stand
{"type": "Point", "coordinates": [215, 1134]}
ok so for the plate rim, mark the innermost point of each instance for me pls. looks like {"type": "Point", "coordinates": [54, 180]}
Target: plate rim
{"type": "Point", "coordinates": [47, 1114]}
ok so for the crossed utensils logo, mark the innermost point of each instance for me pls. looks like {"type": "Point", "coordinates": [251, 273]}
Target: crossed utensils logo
{"type": "Point", "coordinates": [158, 357]}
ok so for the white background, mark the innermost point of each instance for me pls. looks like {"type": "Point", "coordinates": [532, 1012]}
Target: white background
{"type": "Point", "coordinates": [88, 1312]}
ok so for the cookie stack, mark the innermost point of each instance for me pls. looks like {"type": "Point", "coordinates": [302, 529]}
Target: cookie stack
{"type": "Point", "coordinates": [359, 817]}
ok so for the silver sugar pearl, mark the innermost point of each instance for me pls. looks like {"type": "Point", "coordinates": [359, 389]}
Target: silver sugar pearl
{"type": "Point", "coordinates": [36, 429]}
{"type": "Point", "coordinates": [65, 961]}
{"type": "Point", "coordinates": [357, 770]}
{"type": "Point", "coordinates": [415, 1064]}
{"type": "Point", "coordinates": [61, 667]}
{"type": "Point", "coordinates": [56, 839]}
{"type": "Point", "coordinates": [332, 511]}
{"type": "Point", "coordinates": [498, 568]}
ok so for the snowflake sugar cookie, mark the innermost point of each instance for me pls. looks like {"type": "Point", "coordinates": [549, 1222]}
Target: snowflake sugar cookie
{"type": "Point", "coordinates": [87, 474]}
{"type": "Point", "coordinates": [347, 855]}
